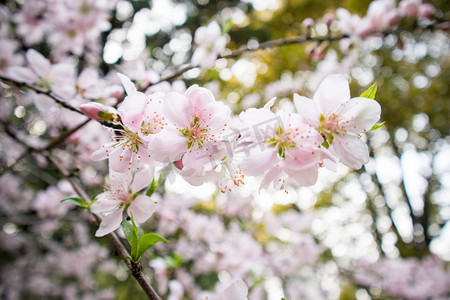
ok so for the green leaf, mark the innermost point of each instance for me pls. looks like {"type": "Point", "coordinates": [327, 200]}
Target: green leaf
{"type": "Point", "coordinates": [90, 203]}
{"type": "Point", "coordinates": [370, 92]}
{"type": "Point", "coordinates": [127, 229]}
{"type": "Point", "coordinates": [153, 186]}
{"type": "Point", "coordinates": [227, 26]}
{"type": "Point", "coordinates": [74, 200]}
{"type": "Point", "coordinates": [134, 240]}
{"type": "Point", "coordinates": [377, 126]}
{"type": "Point", "coordinates": [147, 241]}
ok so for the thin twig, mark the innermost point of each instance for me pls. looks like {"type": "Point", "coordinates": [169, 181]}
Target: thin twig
{"type": "Point", "coordinates": [244, 49]}
{"type": "Point", "coordinates": [55, 98]}
{"type": "Point", "coordinates": [28, 149]}
{"type": "Point", "coordinates": [38, 90]}
{"type": "Point", "coordinates": [289, 41]}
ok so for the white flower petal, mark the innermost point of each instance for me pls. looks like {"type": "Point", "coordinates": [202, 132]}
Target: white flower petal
{"type": "Point", "coordinates": [275, 175]}
{"type": "Point", "coordinates": [332, 92]}
{"type": "Point", "coordinates": [120, 159]}
{"type": "Point", "coordinates": [304, 177]}
{"type": "Point", "coordinates": [129, 86]}
{"type": "Point", "coordinates": [168, 145]}
{"type": "Point", "coordinates": [87, 78]}
{"type": "Point", "coordinates": [104, 204]}
{"type": "Point", "coordinates": [103, 152]}
{"type": "Point", "coordinates": [351, 150]}
{"type": "Point", "coordinates": [22, 74]}
{"type": "Point", "coordinates": [307, 108]}
{"type": "Point", "coordinates": [142, 208]}
{"type": "Point", "coordinates": [361, 114]}
{"type": "Point", "coordinates": [142, 179]}
{"type": "Point", "coordinates": [269, 104]}
{"type": "Point", "coordinates": [259, 161]}
{"type": "Point", "coordinates": [235, 291]}
{"type": "Point", "coordinates": [38, 62]}
{"type": "Point", "coordinates": [110, 223]}
{"type": "Point", "coordinates": [176, 109]}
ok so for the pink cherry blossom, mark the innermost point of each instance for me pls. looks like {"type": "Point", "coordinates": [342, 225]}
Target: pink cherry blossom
{"type": "Point", "coordinates": [141, 118]}
{"type": "Point", "coordinates": [142, 113]}
{"type": "Point", "coordinates": [121, 196]}
{"type": "Point", "coordinates": [339, 119]}
{"type": "Point", "coordinates": [281, 146]}
{"type": "Point", "coordinates": [198, 126]}
{"type": "Point", "coordinates": [380, 15]}
{"type": "Point", "coordinates": [210, 42]}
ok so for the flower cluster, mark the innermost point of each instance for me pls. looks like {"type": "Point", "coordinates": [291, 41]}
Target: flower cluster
{"type": "Point", "coordinates": [197, 134]}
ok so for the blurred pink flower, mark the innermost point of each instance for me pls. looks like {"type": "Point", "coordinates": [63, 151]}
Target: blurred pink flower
{"type": "Point", "coordinates": [210, 42]}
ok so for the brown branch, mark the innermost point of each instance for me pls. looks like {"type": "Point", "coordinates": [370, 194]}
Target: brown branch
{"type": "Point", "coordinates": [55, 98]}
{"type": "Point", "coordinates": [289, 41]}
{"type": "Point", "coordinates": [244, 49]}
{"type": "Point", "coordinates": [20, 84]}
{"type": "Point", "coordinates": [135, 268]}
{"type": "Point", "coordinates": [29, 149]}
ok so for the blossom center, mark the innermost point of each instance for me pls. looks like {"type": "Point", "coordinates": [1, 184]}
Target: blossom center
{"type": "Point", "coordinates": [196, 133]}
{"type": "Point", "coordinates": [154, 125]}
{"type": "Point", "coordinates": [282, 141]}
{"type": "Point", "coordinates": [331, 124]}
{"type": "Point", "coordinates": [131, 140]}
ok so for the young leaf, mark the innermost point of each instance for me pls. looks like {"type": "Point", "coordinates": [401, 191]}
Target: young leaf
{"type": "Point", "coordinates": [74, 200]}
{"type": "Point", "coordinates": [127, 229]}
{"type": "Point", "coordinates": [147, 241]}
{"type": "Point", "coordinates": [370, 92]}
{"type": "Point", "coordinates": [134, 240]}
{"type": "Point", "coordinates": [90, 203]}
{"type": "Point", "coordinates": [153, 186]}
{"type": "Point", "coordinates": [227, 26]}
{"type": "Point", "coordinates": [377, 126]}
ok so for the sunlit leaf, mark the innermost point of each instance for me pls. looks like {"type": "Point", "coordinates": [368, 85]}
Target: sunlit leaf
{"type": "Point", "coordinates": [370, 92]}
{"type": "Point", "coordinates": [74, 200]}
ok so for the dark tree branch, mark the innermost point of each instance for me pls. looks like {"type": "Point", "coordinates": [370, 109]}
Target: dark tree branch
{"type": "Point", "coordinates": [290, 41]}
{"type": "Point", "coordinates": [38, 90]}
{"type": "Point", "coordinates": [245, 49]}
{"type": "Point", "coordinates": [28, 149]}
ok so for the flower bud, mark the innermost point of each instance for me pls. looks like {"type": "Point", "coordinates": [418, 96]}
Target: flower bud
{"type": "Point", "coordinates": [318, 53]}
{"type": "Point", "coordinates": [328, 19]}
{"type": "Point", "coordinates": [97, 111]}
{"type": "Point", "coordinates": [409, 8]}
{"type": "Point", "coordinates": [307, 23]}
{"type": "Point", "coordinates": [309, 50]}
{"type": "Point", "coordinates": [179, 164]}
{"type": "Point", "coordinates": [425, 11]}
